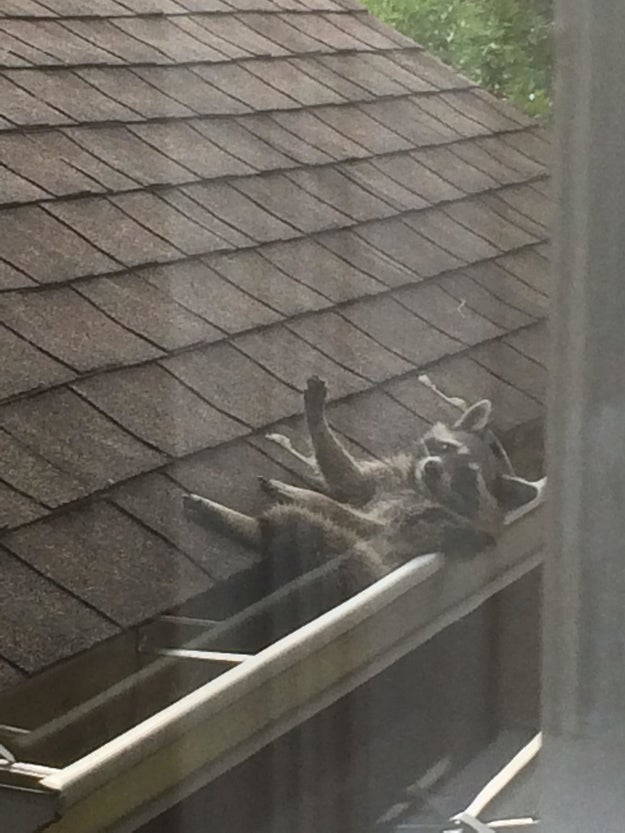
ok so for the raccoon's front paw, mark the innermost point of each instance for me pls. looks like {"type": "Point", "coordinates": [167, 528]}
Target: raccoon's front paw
{"type": "Point", "coordinates": [315, 396]}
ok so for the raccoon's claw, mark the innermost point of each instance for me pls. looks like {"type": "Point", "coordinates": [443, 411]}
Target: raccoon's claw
{"type": "Point", "coordinates": [265, 484]}
{"type": "Point", "coordinates": [192, 506]}
{"type": "Point", "coordinates": [270, 488]}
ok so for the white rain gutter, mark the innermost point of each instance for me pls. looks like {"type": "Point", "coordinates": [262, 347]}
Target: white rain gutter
{"type": "Point", "coordinates": [155, 764]}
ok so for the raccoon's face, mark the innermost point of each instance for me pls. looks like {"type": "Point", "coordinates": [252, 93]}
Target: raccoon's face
{"type": "Point", "coordinates": [471, 438]}
{"type": "Point", "coordinates": [457, 482]}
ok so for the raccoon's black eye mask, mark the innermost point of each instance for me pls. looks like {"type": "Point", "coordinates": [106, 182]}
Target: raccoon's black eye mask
{"type": "Point", "coordinates": [434, 446]}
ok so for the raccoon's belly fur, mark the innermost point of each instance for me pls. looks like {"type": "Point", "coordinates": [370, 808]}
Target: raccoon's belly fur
{"type": "Point", "coordinates": [392, 475]}
{"type": "Point", "coordinates": [297, 540]}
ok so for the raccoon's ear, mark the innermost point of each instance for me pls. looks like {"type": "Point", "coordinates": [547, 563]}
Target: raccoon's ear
{"type": "Point", "coordinates": [514, 492]}
{"type": "Point", "coordinates": [475, 418]}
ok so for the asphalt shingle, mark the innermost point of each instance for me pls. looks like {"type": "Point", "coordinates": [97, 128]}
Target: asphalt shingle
{"type": "Point", "coordinates": [286, 139]}
{"type": "Point", "coordinates": [315, 266]}
{"type": "Point", "coordinates": [323, 69]}
{"type": "Point", "coordinates": [456, 239]}
{"type": "Point", "coordinates": [17, 509]}
{"type": "Point", "coordinates": [243, 144]}
{"type": "Point", "coordinates": [399, 241]}
{"type": "Point", "coordinates": [72, 330]}
{"type": "Point", "coordinates": [121, 149]}
{"type": "Point", "coordinates": [21, 108]}
{"type": "Point", "coordinates": [31, 474]}
{"type": "Point", "coordinates": [470, 292]}
{"type": "Point", "coordinates": [532, 342]}
{"type": "Point", "coordinates": [148, 311]}
{"type": "Point", "coordinates": [463, 377]}
{"type": "Point", "coordinates": [17, 189]}
{"type": "Point", "coordinates": [254, 273]}
{"type": "Point", "coordinates": [510, 364]}
{"type": "Point", "coordinates": [243, 85]}
{"type": "Point", "coordinates": [334, 189]}
{"type": "Point", "coordinates": [241, 213]}
{"type": "Point", "coordinates": [102, 555]}
{"type": "Point", "coordinates": [174, 43]}
{"type": "Point", "coordinates": [70, 95]}
{"type": "Point", "coordinates": [57, 43]}
{"type": "Point", "coordinates": [114, 232]}
{"type": "Point", "coordinates": [431, 69]}
{"type": "Point", "coordinates": [457, 319]}
{"type": "Point", "coordinates": [349, 347]}
{"type": "Point", "coordinates": [359, 125]}
{"type": "Point", "coordinates": [449, 164]}
{"type": "Point", "coordinates": [386, 187]}
{"type": "Point", "coordinates": [191, 149]}
{"type": "Point", "coordinates": [294, 82]}
{"type": "Point", "coordinates": [291, 203]}
{"type": "Point", "coordinates": [282, 32]}
{"type": "Point", "coordinates": [411, 123]}
{"type": "Point", "coordinates": [531, 267]}
{"type": "Point", "coordinates": [322, 130]}
{"type": "Point", "coordinates": [398, 329]}
{"type": "Point", "coordinates": [119, 47]}
{"type": "Point", "coordinates": [408, 170]}
{"type": "Point", "coordinates": [11, 278]}
{"type": "Point", "coordinates": [59, 165]}
{"type": "Point", "coordinates": [42, 622]}
{"type": "Point", "coordinates": [366, 258]}
{"type": "Point", "coordinates": [48, 250]}
{"type": "Point", "coordinates": [532, 143]}
{"type": "Point", "coordinates": [198, 288]}
{"type": "Point", "coordinates": [229, 379]}
{"type": "Point", "coordinates": [150, 92]}
{"type": "Point", "coordinates": [24, 367]}
{"type": "Point", "coordinates": [78, 439]}
{"type": "Point", "coordinates": [294, 361]}
{"type": "Point", "coordinates": [502, 285]}
{"type": "Point", "coordinates": [482, 220]}
{"type": "Point", "coordinates": [153, 405]}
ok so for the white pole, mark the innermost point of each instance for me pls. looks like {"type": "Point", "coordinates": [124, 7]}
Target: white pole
{"type": "Point", "coordinates": [583, 762]}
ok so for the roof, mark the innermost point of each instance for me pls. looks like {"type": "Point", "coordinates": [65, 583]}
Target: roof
{"type": "Point", "coordinates": [205, 202]}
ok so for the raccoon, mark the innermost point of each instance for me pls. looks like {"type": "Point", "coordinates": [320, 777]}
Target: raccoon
{"type": "Point", "coordinates": [377, 515]}
{"type": "Point", "coordinates": [447, 509]}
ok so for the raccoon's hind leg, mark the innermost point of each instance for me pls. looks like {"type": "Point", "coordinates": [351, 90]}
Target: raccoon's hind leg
{"type": "Point", "coordinates": [215, 516]}
{"type": "Point", "coordinates": [342, 473]}
{"type": "Point", "coordinates": [338, 513]}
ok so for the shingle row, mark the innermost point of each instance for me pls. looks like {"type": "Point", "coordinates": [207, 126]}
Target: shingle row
{"type": "Point", "coordinates": [67, 239]}
{"type": "Point", "coordinates": [187, 38]}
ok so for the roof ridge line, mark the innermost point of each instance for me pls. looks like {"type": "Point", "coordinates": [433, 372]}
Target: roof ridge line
{"type": "Point", "coordinates": [33, 18]}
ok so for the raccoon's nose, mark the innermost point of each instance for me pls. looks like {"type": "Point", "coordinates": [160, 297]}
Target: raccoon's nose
{"type": "Point", "coordinates": [432, 468]}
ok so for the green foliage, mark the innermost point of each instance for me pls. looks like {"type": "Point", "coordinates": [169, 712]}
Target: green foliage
{"type": "Point", "coordinates": [505, 45]}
